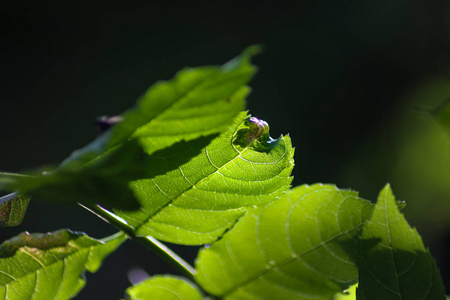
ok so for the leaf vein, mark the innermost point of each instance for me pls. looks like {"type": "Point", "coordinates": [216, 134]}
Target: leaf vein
{"type": "Point", "coordinates": [63, 275]}
{"type": "Point", "coordinates": [32, 256]}
{"type": "Point", "coordinates": [142, 223]}
{"type": "Point", "coordinates": [287, 261]}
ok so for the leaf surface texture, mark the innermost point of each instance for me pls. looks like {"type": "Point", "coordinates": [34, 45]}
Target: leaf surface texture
{"type": "Point", "coordinates": [302, 246]}
{"type": "Point", "coordinates": [195, 201]}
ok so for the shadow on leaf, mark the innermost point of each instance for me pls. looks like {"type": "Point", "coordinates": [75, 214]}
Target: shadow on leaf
{"type": "Point", "coordinates": [105, 180]}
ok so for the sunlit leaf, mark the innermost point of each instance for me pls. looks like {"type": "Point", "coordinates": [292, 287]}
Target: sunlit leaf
{"type": "Point", "coordinates": [196, 102]}
{"type": "Point", "coordinates": [195, 201]}
{"type": "Point", "coordinates": [50, 266]}
{"type": "Point", "coordinates": [394, 263]}
{"type": "Point", "coordinates": [12, 209]}
{"type": "Point", "coordinates": [163, 287]}
{"type": "Point", "coordinates": [301, 246]}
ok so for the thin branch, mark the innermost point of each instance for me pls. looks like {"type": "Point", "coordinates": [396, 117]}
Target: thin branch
{"type": "Point", "coordinates": [14, 174]}
{"type": "Point", "coordinates": [149, 242]}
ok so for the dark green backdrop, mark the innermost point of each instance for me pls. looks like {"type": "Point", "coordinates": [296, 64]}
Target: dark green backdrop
{"type": "Point", "coordinates": [342, 77]}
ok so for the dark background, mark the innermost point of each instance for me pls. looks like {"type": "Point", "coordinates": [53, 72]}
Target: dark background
{"type": "Point", "coordinates": [344, 78]}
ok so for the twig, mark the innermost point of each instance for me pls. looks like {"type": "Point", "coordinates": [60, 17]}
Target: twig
{"type": "Point", "coordinates": [149, 242]}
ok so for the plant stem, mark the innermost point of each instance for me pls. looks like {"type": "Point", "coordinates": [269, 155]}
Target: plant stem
{"type": "Point", "coordinates": [149, 242]}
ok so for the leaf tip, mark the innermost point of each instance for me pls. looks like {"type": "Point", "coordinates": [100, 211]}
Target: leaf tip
{"type": "Point", "coordinates": [244, 58]}
{"type": "Point", "coordinates": [387, 188]}
{"type": "Point", "coordinates": [386, 193]}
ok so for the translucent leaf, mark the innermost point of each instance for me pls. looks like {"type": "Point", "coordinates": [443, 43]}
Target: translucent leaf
{"type": "Point", "coordinates": [12, 209]}
{"type": "Point", "coordinates": [197, 102]}
{"type": "Point", "coordinates": [301, 246]}
{"type": "Point", "coordinates": [50, 266]}
{"type": "Point", "coordinates": [194, 201]}
{"type": "Point", "coordinates": [163, 287]}
{"type": "Point", "coordinates": [393, 262]}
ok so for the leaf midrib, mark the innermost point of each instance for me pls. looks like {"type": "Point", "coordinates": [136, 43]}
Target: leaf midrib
{"type": "Point", "coordinates": [388, 221]}
{"type": "Point", "coordinates": [192, 185]}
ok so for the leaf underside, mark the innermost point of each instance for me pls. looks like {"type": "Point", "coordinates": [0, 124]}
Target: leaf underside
{"type": "Point", "coordinates": [50, 266]}
{"type": "Point", "coordinates": [196, 201]}
{"type": "Point", "coordinates": [301, 246]}
{"type": "Point", "coordinates": [393, 262]}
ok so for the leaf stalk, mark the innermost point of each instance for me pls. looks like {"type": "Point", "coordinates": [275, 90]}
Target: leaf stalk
{"type": "Point", "coordinates": [147, 241]}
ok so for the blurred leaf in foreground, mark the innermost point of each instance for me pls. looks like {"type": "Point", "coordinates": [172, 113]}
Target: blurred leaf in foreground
{"type": "Point", "coordinates": [194, 201]}
{"type": "Point", "coordinates": [197, 102]}
{"type": "Point", "coordinates": [441, 114]}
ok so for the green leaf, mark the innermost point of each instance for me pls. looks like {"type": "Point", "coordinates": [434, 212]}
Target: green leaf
{"type": "Point", "coordinates": [51, 265]}
{"type": "Point", "coordinates": [301, 246]}
{"type": "Point", "coordinates": [194, 202]}
{"type": "Point", "coordinates": [348, 294]}
{"type": "Point", "coordinates": [393, 262]}
{"type": "Point", "coordinates": [197, 102]}
{"type": "Point", "coordinates": [12, 209]}
{"type": "Point", "coordinates": [163, 287]}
